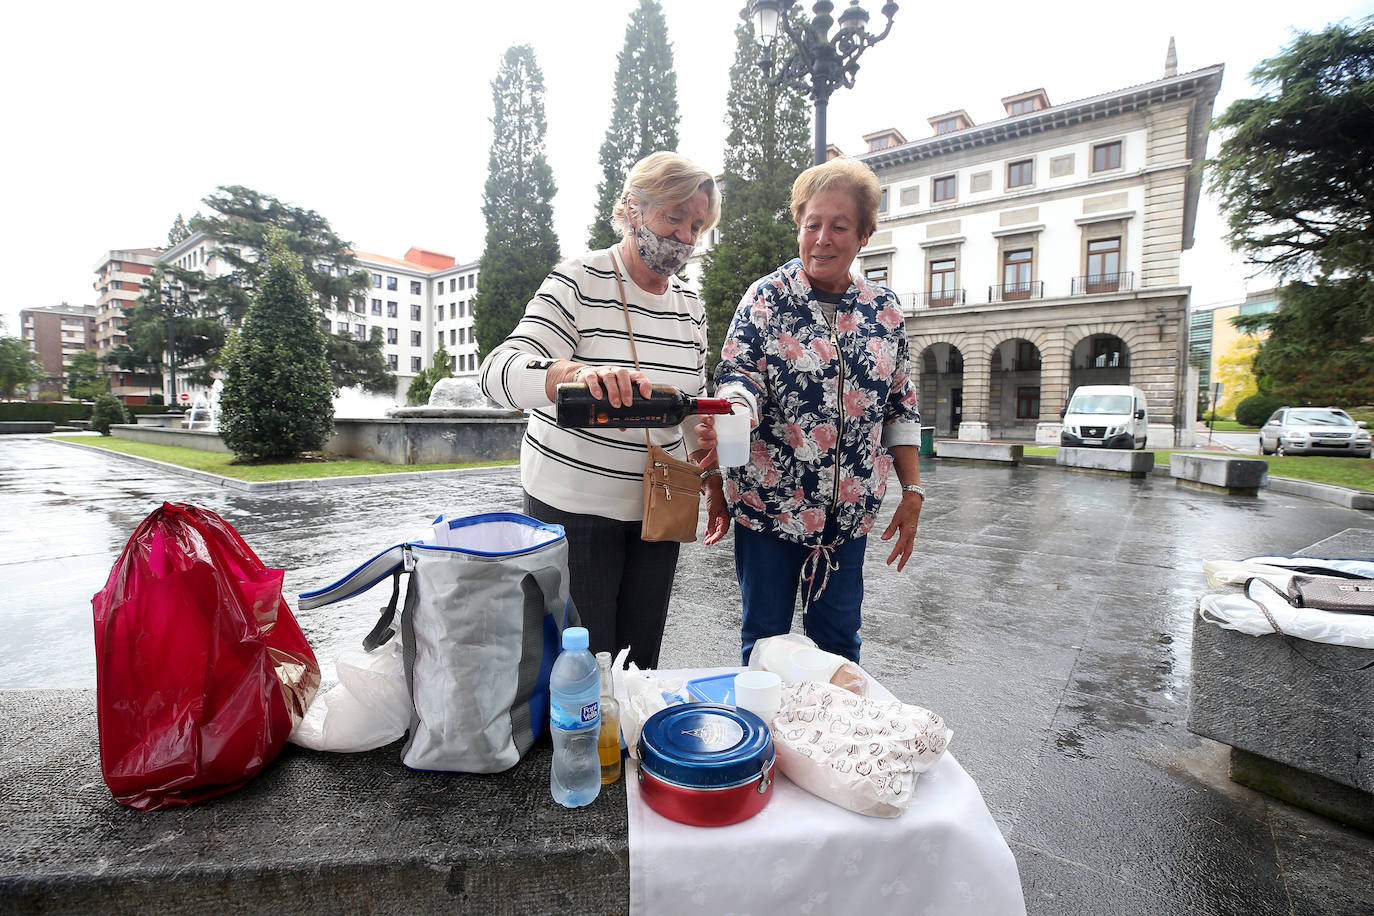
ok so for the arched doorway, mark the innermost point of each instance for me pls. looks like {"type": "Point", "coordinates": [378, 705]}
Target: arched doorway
{"type": "Point", "coordinates": [1100, 359]}
{"type": "Point", "coordinates": [1014, 390]}
{"type": "Point", "coordinates": [942, 389]}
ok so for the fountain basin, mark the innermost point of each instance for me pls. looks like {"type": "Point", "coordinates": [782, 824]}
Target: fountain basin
{"type": "Point", "coordinates": [435, 436]}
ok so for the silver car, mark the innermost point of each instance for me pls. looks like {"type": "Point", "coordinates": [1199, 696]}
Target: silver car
{"type": "Point", "coordinates": [1313, 431]}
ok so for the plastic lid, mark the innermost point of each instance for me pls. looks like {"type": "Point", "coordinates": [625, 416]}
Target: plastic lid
{"type": "Point", "coordinates": [705, 745]}
{"type": "Point", "coordinates": [575, 638]}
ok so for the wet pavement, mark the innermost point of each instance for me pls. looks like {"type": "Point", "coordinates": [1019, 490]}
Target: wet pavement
{"type": "Point", "coordinates": [1047, 616]}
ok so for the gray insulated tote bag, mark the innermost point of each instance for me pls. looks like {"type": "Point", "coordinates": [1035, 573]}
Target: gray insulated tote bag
{"type": "Point", "coordinates": [483, 618]}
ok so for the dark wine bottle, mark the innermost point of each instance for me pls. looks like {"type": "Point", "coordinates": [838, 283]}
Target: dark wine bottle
{"type": "Point", "coordinates": [666, 406]}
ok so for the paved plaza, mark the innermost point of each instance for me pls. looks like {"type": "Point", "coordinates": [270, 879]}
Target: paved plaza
{"type": "Point", "coordinates": [1046, 615]}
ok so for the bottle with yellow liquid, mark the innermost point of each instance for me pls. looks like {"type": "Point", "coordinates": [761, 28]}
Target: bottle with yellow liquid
{"type": "Point", "coordinates": [608, 744]}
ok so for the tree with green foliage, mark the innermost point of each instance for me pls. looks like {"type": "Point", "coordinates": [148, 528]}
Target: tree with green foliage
{"type": "Point", "coordinates": [1235, 371]}
{"type": "Point", "coordinates": [278, 394]}
{"type": "Point", "coordinates": [521, 247]}
{"type": "Point", "coordinates": [199, 329]}
{"type": "Point", "coordinates": [645, 117]}
{"type": "Point", "coordinates": [107, 411]}
{"type": "Point", "coordinates": [19, 366]}
{"type": "Point", "coordinates": [1295, 178]}
{"type": "Point", "coordinates": [179, 232]}
{"type": "Point", "coordinates": [767, 147]}
{"type": "Point", "coordinates": [359, 362]}
{"type": "Point", "coordinates": [423, 382]}
{"type": "Point", "coordinates": [85, 380]}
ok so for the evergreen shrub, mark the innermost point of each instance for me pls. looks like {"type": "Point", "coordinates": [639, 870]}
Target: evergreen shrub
{"type": "Point", "coordinates": [107, 410]}
{"type": "Point", "coordinates": [1254, 410]}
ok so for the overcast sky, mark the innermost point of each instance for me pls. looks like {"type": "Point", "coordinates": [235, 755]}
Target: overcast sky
{"type": "Point", "coordinates": [119, 116]}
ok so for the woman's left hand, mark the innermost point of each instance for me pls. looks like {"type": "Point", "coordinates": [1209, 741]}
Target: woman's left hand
{"type": "Point", "coordinates": [903, 524]}
{"type": "Point", "coordinates": [706, 439]}
{"type": "Point", "coordinates": [717, 513]}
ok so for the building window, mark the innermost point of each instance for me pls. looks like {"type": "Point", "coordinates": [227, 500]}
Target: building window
{"type": "Point", "coordinates": [376, 306]}
{"type": "Point", "coordinates": [453, 364]}
{"type": "Point", "coordinates": [1016, 274]}
{"type": "Point", "coordinates": [325, 325]}
{"type": "Point", "coordinates": [876, 274]}
{"type": "Point", "coordinates": [392, 361]}
{"type": "Point", "coordinates": [341, 327]}
{"type": "Point", "coordinates": [463, 308]}
{"type": "Point", "coordinates": [376, 281]}
{"type": "Point", "coordinates": [462, 282]}
{"type": "Point", "coordinates": [948, 125]}
{"type": "Point", "coordinates": [1020, 173]}
{"type": "Point", "coordinates": [414, 338]}
{"type": "Point", "coordinates": [1027, 356]}
{"type": "Point", "coordinates": [415, 287]}
{"type": "Point", "coordinates": [943, 189]}
{"type": "Point", "coordinates": [1107, 156]}
{"type": "Point", "coordinates": [391, 336]}
{"type": "Point", "coordinates": [1028, 403]}
{"type": "Point", "coordinates": [391, 310]}
{"type": "Point", "coordinates": [452, 284]}
{"type": "Point", "coordinates": [1104, 265]}
{"type": "Point", "coordinates": [1106, 352]}
{"type": "Point", "coordinates": [360, 331]}
{"type": "Point", "coordinates": [414, 313]}
{"type": "Point", "coordinates": [415, 364]}
{"type": "Point", "coordinates": [1024, 106]}
{"type": "Point", "coordinates": [453, 336]}
{"type": "Point", "coordinates": [882, 201]}
{"type": "Point", "coordinates": [391, 284]}
{"type": "Point", "coordinates": [942, 282]}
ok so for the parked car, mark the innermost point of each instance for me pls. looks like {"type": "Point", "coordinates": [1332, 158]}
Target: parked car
{"type": "Point", "coordinates": [1104, 416]}
{"type": "Point", "coordinates": [1313, 431]}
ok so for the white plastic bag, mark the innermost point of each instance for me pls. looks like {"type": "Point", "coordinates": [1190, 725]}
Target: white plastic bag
{"type": "Point", "coordinates": [641, 694]}
{"type": "Point", "coordinates": [860, 753]}
{"type": "Point", "coordinates": [1244, 615]}
{"type": "Point", "coordinates": [774, 653]}
{"type": "Point", "coordinates": [368, 708]}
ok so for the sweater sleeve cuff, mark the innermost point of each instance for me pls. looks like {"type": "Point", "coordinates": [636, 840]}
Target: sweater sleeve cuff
{"type": "Point", "coordinates": [519, 381]}
{"type": "Point", "coordinates": [901, 432]}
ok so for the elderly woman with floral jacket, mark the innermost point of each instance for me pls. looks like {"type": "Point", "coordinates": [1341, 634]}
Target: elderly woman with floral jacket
{"type": "Point", "coordinates": [820, 358]}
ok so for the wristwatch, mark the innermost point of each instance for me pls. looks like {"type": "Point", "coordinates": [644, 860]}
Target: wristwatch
{"type": "Point", "coordinates": [914, 488]}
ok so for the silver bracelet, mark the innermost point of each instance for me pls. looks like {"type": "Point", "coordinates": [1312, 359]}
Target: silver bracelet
{"type": "Point", "coordinates": [914, 488]}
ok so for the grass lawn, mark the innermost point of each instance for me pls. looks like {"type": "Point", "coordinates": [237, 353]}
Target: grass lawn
{"type": "Point", "coordinates": [1342, 472]}
{"type": "Point", "coordinates": [222, 462]}
{"type": "Point", "coordinates": [1230, 426]}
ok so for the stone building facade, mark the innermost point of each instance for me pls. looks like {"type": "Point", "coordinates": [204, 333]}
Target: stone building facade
{"type": "Point", "coordinates": [1041, 252]}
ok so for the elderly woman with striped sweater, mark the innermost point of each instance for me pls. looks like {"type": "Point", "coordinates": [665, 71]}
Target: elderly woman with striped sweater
{"type": "Point", "coordinates": [574, 330]}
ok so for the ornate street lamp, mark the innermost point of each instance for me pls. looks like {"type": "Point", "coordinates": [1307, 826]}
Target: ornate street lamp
{"type": "Point", "coordinates": [820, 63]}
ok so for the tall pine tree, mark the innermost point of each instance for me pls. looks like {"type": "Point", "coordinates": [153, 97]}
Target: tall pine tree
{"type": "Point", "coordinates": [278, 398]}
{"type": "Point", "coordinates": [766, 149]}
{"type": "Point", "coordinates": [521, 247]}
{"type": "Point", "coordinates": [645, 117]}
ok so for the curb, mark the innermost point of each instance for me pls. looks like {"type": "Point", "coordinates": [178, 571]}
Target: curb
{"type": "Point", "coordinates": [278, 486]}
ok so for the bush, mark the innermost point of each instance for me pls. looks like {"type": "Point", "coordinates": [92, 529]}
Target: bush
{"type": "Point", "coordinates": [156, 398]}
{"type": "Point", "coordinates": [1254, 410]}
{"type": "Point", "coordinates": [59, 412]}
{"type": "Point", "coordinates": [107, 410]}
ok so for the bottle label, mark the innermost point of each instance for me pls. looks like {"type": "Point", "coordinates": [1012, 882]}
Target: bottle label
{"type": "Point", "coordinates": [576, 718]}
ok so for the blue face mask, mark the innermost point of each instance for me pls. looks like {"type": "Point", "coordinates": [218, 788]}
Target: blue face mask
{"type": "Point", "coordinates": [661, 254]}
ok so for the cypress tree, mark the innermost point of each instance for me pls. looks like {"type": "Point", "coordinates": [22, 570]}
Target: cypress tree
{"type": "Point", "coordinates": [645, 116]}
{"type": "Point", "coordinates": [278, 395]}
{"type": "Point", "coordinates": [766, 148]}
{"type": "Point", "coordinates": [521, 247]}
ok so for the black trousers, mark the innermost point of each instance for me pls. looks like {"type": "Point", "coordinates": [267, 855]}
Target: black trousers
{"type": "Point", "coordinates": [619, 583]}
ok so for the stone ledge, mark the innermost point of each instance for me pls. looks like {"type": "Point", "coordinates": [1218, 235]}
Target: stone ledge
{"type": "Point", "coordinates": [1341, 496]}
{"type": "Point", "coordinates": [26, 426]}
{"type": "Point", "coordinates": [979, 451]}
{"type": "Point", "coordinates": [1112, 460]}
{"type": "Point", "coordinates": [156, 434]}
{"type": "Point", "coordinates": [1230, 475]}
{"type": "Point", "coordinates": [313, 833]}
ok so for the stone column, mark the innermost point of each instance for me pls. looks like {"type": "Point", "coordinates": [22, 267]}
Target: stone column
{"type": "Point", "coordinates": [1056, 358]}
{"type": "Point", "coordinates": [977, 373]}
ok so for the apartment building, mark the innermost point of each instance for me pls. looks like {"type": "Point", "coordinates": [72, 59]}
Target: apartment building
{"type": "Point", "coordinates": [57, 333]}
{"type": "Point", "coordinates": [1041, 252]}
{"type": "Point", "coordinates": [119, 277]}
{"type": "Point", "coordinates": [415, 300]}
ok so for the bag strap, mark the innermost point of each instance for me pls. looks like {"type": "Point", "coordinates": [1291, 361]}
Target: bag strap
{"type": "Point", "coordinates": [386, 563]}
{"type": "Point", "coordinates": [1293, 641]}
{"type": "Point", "coordinates": [625, 307]}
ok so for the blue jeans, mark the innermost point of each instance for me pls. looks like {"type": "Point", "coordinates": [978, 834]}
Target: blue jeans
{"type": "Point", "coordinates": [769, 570]}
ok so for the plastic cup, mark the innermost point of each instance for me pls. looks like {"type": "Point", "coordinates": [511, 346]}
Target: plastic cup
{"type": "Point", "coordinates": [760, 692]}
{"type": "Point", "coordinates": [811, 665]}
{"type": "Point", "coordinates": [732, 438]}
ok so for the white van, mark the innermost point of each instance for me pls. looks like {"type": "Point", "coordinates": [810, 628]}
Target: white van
{"type": "Point", "coordinates": [1104, 416]}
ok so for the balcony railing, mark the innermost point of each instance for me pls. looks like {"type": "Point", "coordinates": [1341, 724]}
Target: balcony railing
{"type": "Point", "coordinates": [1011, 292]}
{"type": "Point", "coordinates": [1122, 282]}
{"type": "Point", "coordinates": [935, 300]}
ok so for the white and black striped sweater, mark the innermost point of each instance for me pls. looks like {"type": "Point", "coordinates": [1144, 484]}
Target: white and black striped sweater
{"type": "Point", "coordinates": [577, 315]}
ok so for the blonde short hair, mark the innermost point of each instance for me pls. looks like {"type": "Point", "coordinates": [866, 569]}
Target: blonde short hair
{"type": "Point", "coordinates": [840, 174]}
{"type": "Point", "coordinates": [665, 180]}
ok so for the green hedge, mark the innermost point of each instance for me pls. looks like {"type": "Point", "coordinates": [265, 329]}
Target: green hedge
{"type": "Point", "coordinates": [62, 411]}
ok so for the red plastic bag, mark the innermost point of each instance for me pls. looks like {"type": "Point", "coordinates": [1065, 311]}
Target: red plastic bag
{"type": "Point", "coordinates": [201, 669]}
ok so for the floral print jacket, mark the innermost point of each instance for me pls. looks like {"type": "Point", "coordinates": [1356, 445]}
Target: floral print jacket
{"type": "Point", "coordinates": [831, 400]}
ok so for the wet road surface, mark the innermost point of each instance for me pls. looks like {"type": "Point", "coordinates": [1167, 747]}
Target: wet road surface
{"type": "Point", "coordinates": [1047, 616]}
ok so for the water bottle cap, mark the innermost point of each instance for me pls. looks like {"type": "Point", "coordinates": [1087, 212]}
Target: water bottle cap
{"type": "Point", "coordinates": [575, 638]}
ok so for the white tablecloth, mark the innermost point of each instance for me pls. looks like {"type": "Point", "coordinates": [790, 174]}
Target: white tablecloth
{"type": "Point", "coordinates": [802, 854]}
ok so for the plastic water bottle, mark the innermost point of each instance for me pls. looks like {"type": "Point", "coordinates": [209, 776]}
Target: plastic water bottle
{"type": "Point", "coordinates": [575, 717]}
